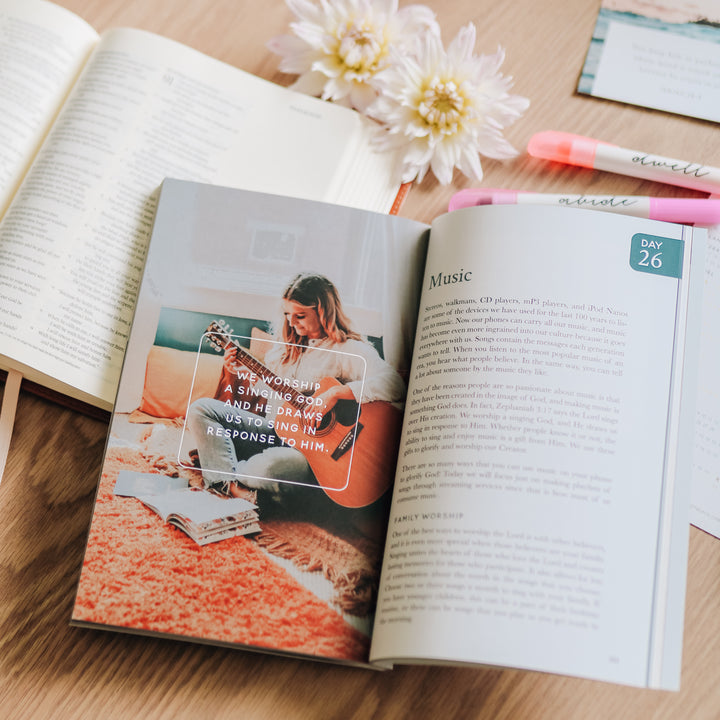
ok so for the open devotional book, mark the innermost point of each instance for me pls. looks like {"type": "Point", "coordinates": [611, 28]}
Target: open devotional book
{"type": "Point", "coordinates": [90, 127]}
{"type": "Point", "coordinates": [467, 443]}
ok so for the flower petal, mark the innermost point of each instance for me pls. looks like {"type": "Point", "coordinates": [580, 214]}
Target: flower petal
{"type": "Point", "coordinates": [362, 96]}
{"type": "Point", "coordinates": [462, 46]}
{"type": "Point", "coordinates": [311, 83]}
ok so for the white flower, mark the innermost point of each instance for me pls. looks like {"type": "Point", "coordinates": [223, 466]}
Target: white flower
{"type": "Point", "coordinates": [445, 109]}
{"type": "Point", "coordinates": [340, 45]}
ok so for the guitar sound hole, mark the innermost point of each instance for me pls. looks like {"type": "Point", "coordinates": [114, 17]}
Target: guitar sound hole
{"type": "Point", "coordinates": [346, 412]}
{"type": "Point", "coordinates": [325, 423]}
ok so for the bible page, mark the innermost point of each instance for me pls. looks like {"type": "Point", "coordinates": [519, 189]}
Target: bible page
{"type": "Point", "coordinates": [145, 108]}
{"type": "Point", "coordinates": [42, 49]}
{"type": "Point", "coordinates": [537, 518]}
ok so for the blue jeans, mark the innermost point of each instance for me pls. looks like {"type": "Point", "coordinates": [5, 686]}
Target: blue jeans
{"type": "Point", "coordinates": [238, 446]}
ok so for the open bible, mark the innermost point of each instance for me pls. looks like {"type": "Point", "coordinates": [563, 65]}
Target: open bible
{"type": "Point", "coordinates": [91, 125]}
{"type": "Point", "coordinates": [536, 511]}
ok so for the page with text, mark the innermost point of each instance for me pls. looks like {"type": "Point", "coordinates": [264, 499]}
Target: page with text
{"type": "Point", "coordinates": [73, 243]}
{"type": "Point", "coordinates": [43, 47]}
{"type": "Point", "coordinates": [533, 509]}
{"type": "Point", "coordinates": [705, 505]}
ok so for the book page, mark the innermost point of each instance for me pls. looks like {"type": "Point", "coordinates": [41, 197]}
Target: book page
{"type": "Point", "coordinates": [705, 507]}
{"type": "Point", "coordinates": [145, 108]}
{"type": "Point", "coordinates": [535, 485]}
{"type": "Point", "coordinates": [42, 49]}
{"type": "Point", "coordinates": [227, 357]}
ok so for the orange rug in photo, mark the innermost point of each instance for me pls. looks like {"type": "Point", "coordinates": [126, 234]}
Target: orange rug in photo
{"type": "Point", "coordinates": [346, 562]}
{"type": "Point", "coordinates": [142, 574]}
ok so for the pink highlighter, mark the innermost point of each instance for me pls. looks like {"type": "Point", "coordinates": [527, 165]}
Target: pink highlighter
{"type": "Point", "coordinates": [597, 155]}
{"type": "Point", "coordinates": [698, 211]}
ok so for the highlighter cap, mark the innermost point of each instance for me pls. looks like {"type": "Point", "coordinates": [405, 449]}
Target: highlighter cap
{"type": "Point", "coordinates": [470, 197]}
{"type": "Point", "coordinates": [564, 147]}
{"type": "Point", "coordinates": [689, 211]}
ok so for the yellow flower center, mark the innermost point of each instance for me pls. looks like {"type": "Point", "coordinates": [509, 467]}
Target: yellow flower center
{"type": "Point", "coordinates": [443, 106]}
{"type": "Point", "coordinates": [360, 50]}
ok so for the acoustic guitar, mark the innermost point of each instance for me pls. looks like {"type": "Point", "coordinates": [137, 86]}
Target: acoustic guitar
{"type": "Point", "coordinates": [353, 450]}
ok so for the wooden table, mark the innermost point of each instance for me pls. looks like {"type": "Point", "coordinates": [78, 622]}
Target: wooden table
{"type": "Point", "coordinates": [48, 669]}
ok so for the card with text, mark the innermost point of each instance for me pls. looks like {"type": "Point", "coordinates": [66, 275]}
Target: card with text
{"type": "Point", "coordinates": [658, 55]}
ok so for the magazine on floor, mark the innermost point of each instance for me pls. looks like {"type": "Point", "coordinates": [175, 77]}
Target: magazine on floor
{"type": "Point", "coordinates": [466, 443]}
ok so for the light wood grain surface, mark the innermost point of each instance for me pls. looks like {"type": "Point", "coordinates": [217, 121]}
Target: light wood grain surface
{"type": "Point", "coordinates": [49, 670]}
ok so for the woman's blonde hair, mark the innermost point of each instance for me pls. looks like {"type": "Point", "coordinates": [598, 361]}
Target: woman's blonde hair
{"type": "Point", "coordinates": [317, 292]}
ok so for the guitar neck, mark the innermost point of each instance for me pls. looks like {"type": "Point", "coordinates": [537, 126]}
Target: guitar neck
{"type": "Point", "coordinates": [295, 398]}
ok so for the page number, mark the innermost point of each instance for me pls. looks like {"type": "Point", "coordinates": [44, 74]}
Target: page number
{"type": "Point", "coordinates": [647, 260]}
{"type": "Point", "coordinates": [657, 255]}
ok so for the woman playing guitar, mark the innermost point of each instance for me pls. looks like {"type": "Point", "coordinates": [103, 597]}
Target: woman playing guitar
{"type": "Point", "coordinates": [321, 353]}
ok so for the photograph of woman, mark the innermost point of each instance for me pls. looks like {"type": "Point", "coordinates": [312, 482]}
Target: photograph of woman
{"type": "Point", "coordinates": [267, 361]}
{"type": "Point", "coordinates": [316, 349]}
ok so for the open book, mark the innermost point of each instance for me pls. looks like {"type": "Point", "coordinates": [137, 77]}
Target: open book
{"type": "Point", "coordinates": [90, 127]}
{"type": "Point", "coordinates": [469, 442]}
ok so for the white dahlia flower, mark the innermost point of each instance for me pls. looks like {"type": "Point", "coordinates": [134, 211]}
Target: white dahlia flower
{"type": "Point", "coordinates": [339, 46]}
{"type": "Point", "coordinates": [445, 109]}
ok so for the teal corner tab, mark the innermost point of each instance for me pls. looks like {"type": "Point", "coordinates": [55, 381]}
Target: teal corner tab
{"type": "Point", "coordinates": [657, 255]}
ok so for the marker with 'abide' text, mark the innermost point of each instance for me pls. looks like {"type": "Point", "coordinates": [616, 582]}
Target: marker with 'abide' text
{"type": "Point", "coordinates": [699, 211]}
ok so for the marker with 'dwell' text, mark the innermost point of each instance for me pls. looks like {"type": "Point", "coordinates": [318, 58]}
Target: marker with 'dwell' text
{"type": "Point", "coordinates": [597, 155]}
